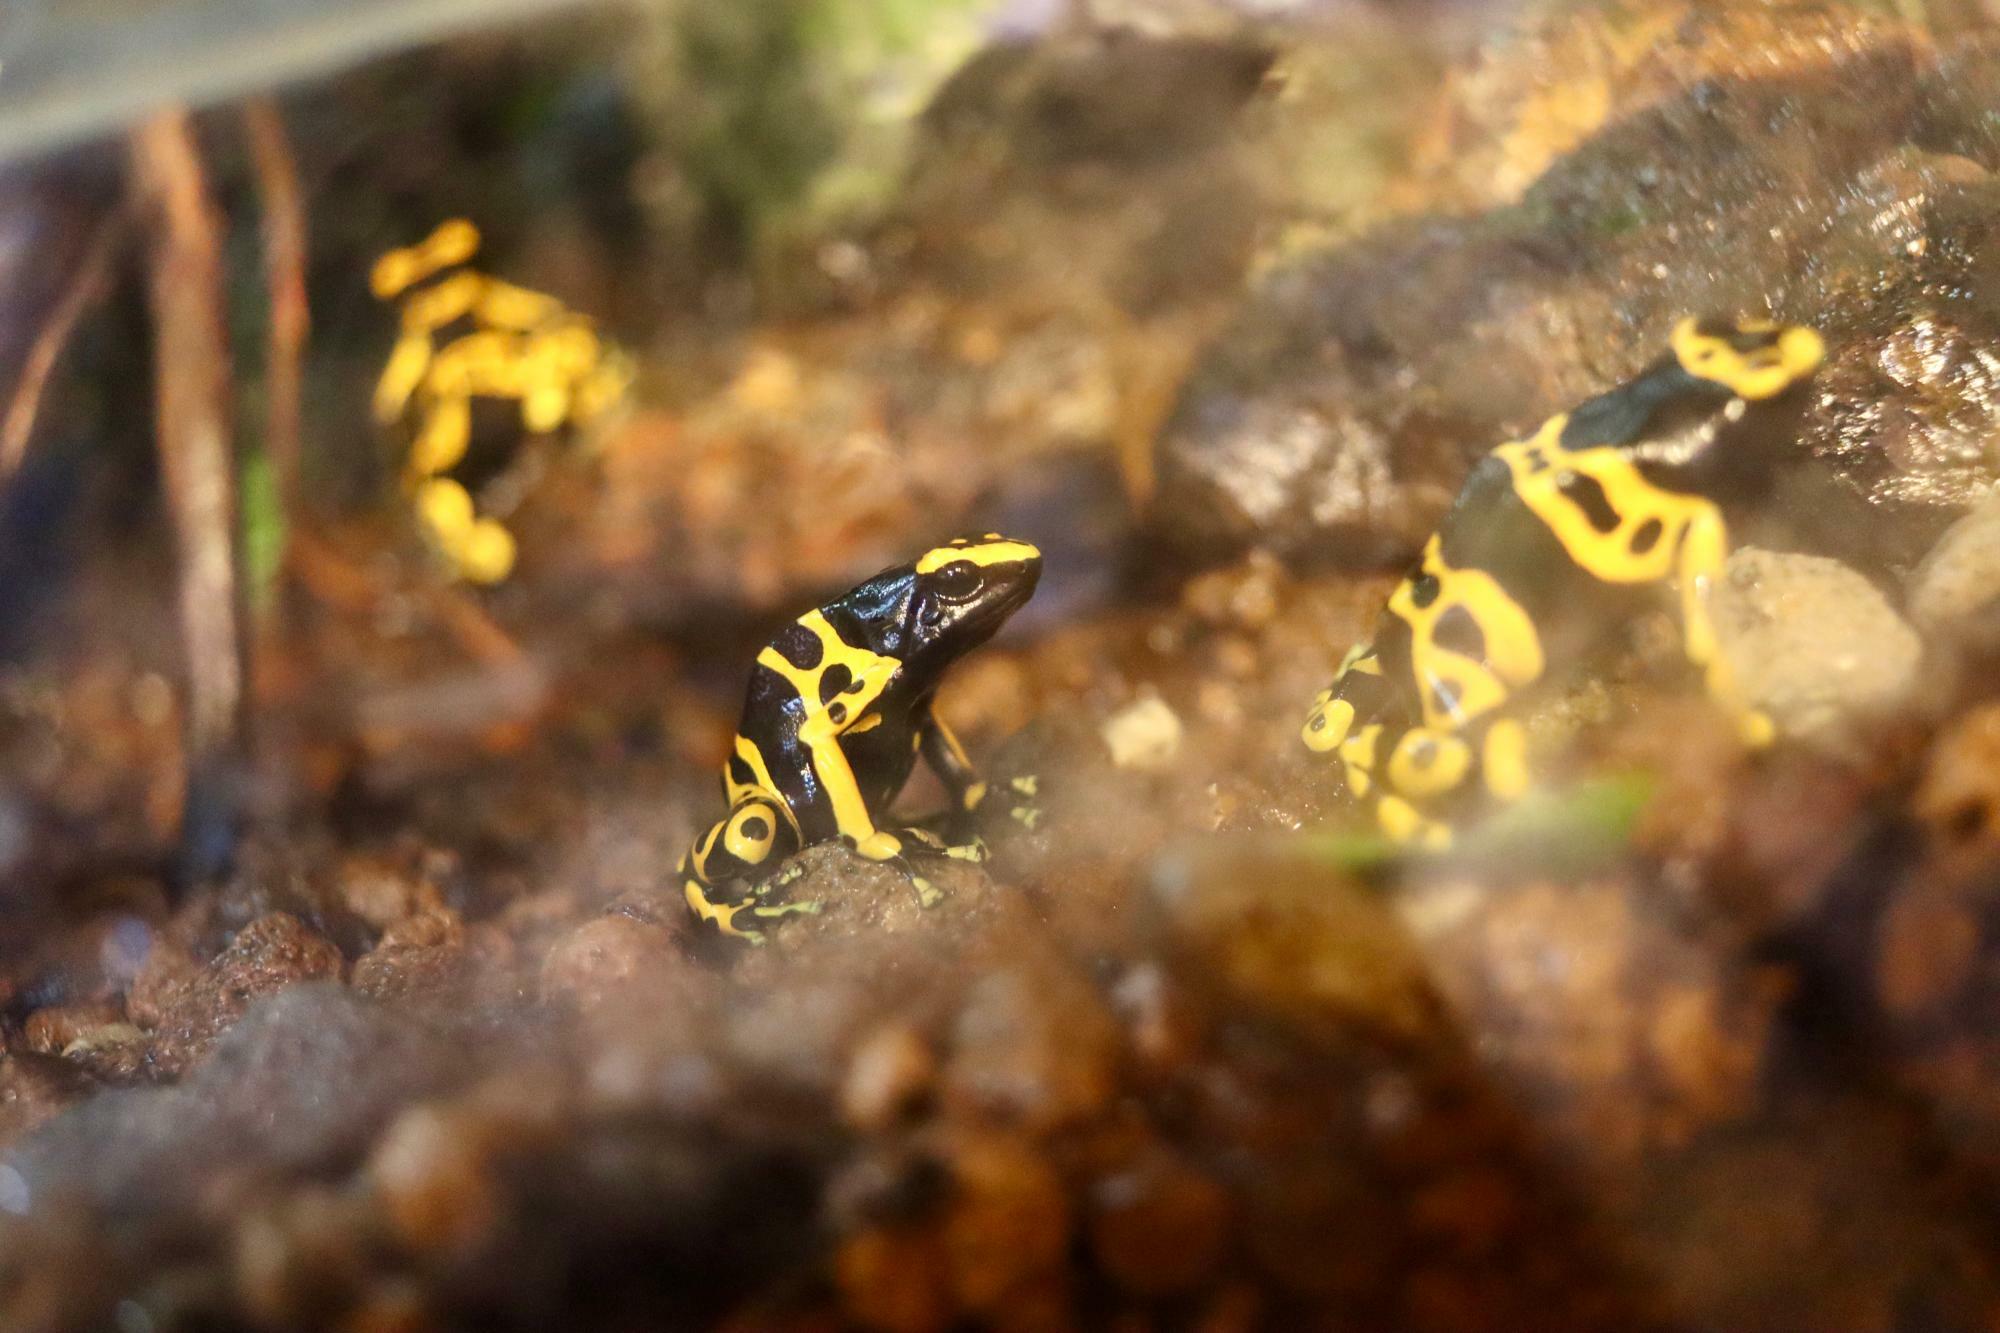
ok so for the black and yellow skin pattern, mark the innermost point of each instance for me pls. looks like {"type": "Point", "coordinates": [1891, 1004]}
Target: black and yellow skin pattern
{"type": "Point", "coordinates": [1555, 542]}
{"type": "Point", "coordinates": [837, 713]}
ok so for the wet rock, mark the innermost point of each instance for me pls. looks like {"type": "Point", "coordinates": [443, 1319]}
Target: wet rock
{"type": "Point", "coordinates": [1812, 643]}
{"type": "Point", "coordinates": [599, 964]}
{"type": "Point", "coordinates": [302, 1080]}
{"type": "Point", "coordinates": [269, 955]}
{"type": "Point", "coordinates": [1955, 593]}
{"type": "Point", "coordinates": [1340, 413]}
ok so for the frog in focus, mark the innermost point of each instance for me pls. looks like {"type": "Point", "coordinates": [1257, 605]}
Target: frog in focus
{"type": "Point", "coordinates": [1554, 543]}
{"type": "Point", "coordinates": [837, 712]}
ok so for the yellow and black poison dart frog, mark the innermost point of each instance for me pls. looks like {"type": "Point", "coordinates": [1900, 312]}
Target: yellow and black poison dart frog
{"type": "Point", "coordinates": [1554, 541]}
{"type": "Point", "coordinates": [839, 707]}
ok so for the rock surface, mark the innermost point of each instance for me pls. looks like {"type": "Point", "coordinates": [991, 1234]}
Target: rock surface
{"type": "Point", "coordinates": [1841, 177]}
{"type": "Point", "coordinates": [1812, 643]}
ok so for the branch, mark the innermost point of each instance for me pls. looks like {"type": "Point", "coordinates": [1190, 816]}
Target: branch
{"type": "Point", "coordinates": [17, 427]}
{"type": "Point", "coordinates": [192, 392]}
{"type": "Point", "coordinates": [285, 277]}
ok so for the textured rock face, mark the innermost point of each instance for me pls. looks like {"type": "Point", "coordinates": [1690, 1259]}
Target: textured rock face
{"type": "Point", "coordinates": [1841, 178]}
{"type": "Point", "coordinates": [1813, 643]}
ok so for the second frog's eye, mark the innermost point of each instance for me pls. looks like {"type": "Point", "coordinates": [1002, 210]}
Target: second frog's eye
{"type": "Point", "coordinates": [957, 580]}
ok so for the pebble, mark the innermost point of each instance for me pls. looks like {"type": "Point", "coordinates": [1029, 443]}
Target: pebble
{"type": "Point", "coordinates": [1143, 736]}
{"type": "Point", "coordinates": [1812, 643]}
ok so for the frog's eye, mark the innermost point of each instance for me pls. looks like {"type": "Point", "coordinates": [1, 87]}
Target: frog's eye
{"type": "Point", "coordinates": [956, 581]}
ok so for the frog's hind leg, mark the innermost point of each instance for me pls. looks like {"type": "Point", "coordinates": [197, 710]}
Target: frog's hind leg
{"type": "Point", "coordinates": [753, 835]}
{"type": "Point", "coordinates": [1704, 549]}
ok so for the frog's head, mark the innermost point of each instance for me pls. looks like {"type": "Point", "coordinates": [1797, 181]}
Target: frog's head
{"type": "Point", "coordinates": [1715, 412]}
{"type": "Point", "coordinates": [961, 592]}
{"type": "Point", "coordinates": [1756, 360]}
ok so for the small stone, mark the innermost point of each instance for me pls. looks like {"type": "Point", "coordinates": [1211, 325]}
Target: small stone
{"type": "Point", "coordinates": [267, 956]}
{"type": "Point", "coordinates": [1812, 642]}
{"type": "Point", "coordinates": [890, 1076]}
{"type": "Point", "coordinates": [49, 1030]}
{"type": "Point", "coordinates": [1144, 735]}
{"type": "Point", "coordinates": [382, 891]}
{"type": "Point", "coordinates": [432, 1175]}
{"type": "Point", "coordinates": [1955, 592]}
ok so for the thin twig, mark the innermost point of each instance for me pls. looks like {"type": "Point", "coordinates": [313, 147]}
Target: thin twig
{"type": "Point", "coordinates": [192, 404]}
{"type": "Point", "coordinates": [18, 426]}
{"type": "Point", "coordinates": [285, 276]}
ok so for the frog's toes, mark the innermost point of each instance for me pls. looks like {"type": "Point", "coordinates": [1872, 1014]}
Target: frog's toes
{"type": "Point", "coordinates": [805, 907]}
{"type": "Point", "coordinates": [928, 893]}
{"type": "Point", "coordinates": [974, 852]}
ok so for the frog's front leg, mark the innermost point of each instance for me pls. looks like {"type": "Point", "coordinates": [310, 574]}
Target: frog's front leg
{"type": "Point", "coordinates": [968, 791]}
{"type": "Point", "coordinates": [753, 835]}
{"type": "Point", "coordinates": [1704, 550]}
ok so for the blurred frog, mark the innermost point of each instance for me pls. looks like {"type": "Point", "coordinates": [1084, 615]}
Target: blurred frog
{"type": "Point", "coordinates": [466, 336]}
{"type": "Point", "coordinates": [1554, 543]}
{"type": "Point", "coordinates": [838, 709]}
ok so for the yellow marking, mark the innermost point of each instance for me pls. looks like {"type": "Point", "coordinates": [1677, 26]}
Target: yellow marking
{"type": "Point", "coordinates": [1402, 822]}
{"type": "Point", "coordinates": [974, 794]}
{"type": "Point", "coordinates": [454, 242]}
{"type": "Point", "coordinates": [761, 784]}
{"type": "Point", "coordinates": [502, 305]}
{"type": "Point", "coordinates": [1504, 760]}
{"type": "Point", "coordinates": [974, 851]}
{"type": "Point", "coordinates": [1027, 784]}
{"type": "Point", "coordinates": [1027, 815]}
{"type": "Point", "coordinates": [486, 553]}
{"type": "Point", "coordinates": [441, 442]}
{"type": "Point", "coordinates": [1539, 468]}
{"type": "Point", "coordinates": [720, 915]}
{"type": "Point", "coordinates": [1427, 763]}
{"type": "Point", "coordinates": [433, 308]}
{"type": "Point", "coordinates": [928, 894]}
{"type": "Point", "coordinates": [409, 363]}
{"type": "Point", "coordinates": [866, 722]}
{"type": "Point", "coordinates": [1763, 372]}
{"type": "Point", "coordinates": [1513, 649]}
{"type": "Point", "coordinates": [446, 509]}
{"type": "Point", "coordinates": [881, 845]}
{"type": "Point", "coordinates": [951, 745]}
{"type": "Point", "coordinates": [745, 847]}
{"type": "Point", "coordinates": [870, 674]}
{"type": "Point", "coordinates": [1328, 724]}
{"type": "Point", "coordinates": [1357, 757]}
{"type": "Point", "coordinates": [1367, 665]}
{"type": "Point", "coordinates": [987, 552]}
